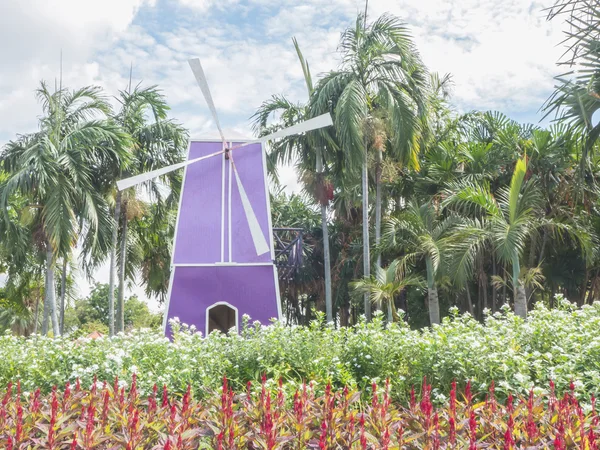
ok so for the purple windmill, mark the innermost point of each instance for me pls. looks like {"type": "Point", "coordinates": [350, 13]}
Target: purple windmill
{"type": "Point", "coordinates": [223, 259]}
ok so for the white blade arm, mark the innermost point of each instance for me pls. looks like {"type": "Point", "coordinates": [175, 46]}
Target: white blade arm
{"type": "Point", "coordinates": [308, 125]}
{"type": "Point", "coordinates": [132, 181]}
{"type": "Point", "coordinates": [260, 243]}
{"type": "Point", "coordinates": [203, 83]}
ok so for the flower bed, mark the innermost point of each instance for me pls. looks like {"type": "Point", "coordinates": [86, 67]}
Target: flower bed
{"type": "Point", "coordinates": [560, 344]}
{"type": "Point", "coordinates": [110, 417]}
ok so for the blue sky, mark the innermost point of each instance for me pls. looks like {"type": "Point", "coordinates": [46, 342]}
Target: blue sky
{"type": "Point", "coordinates": [501, 53]}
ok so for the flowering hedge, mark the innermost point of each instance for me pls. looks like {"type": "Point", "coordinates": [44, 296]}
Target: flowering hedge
{"type": "Point", "coordinates": [559, 344]}
{"type": "Point", "coordinates": [106, 417]}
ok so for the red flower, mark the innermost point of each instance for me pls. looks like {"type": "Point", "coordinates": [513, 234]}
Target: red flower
{"type": "Point", "coordinates": [323, 438]}
{"type": "Point", "coordinates": [165, 397]}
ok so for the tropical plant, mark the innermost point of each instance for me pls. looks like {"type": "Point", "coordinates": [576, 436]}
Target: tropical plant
{"type": "Point", "coordinates": [558, 344]}
{"type": "Point", "coordinates": [385, 286]}
{"type": "Point", "coordinates": [59, 171]}
{"type": "Point", "coordinates": [576, 98]}
{"type": "Point", "coordinates": [112, 415]}
{"type": "Point", "coordinates": [376, 97]}
{"type": "Point", "coordinates": [155, 142]}
{"type": "Point", "coordinates": [310, 153]}
{"type": "Point", "coordinates": [505, 222]}
{"type": "Point", "coordinates": [91, 313]}
{"type": "Point", "coordinates": [421, 232]}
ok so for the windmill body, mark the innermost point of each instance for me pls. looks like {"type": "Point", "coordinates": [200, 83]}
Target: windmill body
{"type": "Point", "coordinates": [223, 259]}
{"type": "Point", "coordinates": [217, 275]}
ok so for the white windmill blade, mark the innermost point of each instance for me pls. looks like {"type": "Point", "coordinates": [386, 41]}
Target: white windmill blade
{"type": "Point", "coordinates": [203, 83]}
{"type": "Point", "coordinates": [132, 181]}
{"type": "Point", "coordinates": [315, 123]}
{"type": "Point", "coordinates": [258, 238]}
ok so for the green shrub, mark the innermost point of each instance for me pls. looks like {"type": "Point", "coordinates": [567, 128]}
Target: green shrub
{"type": "Point", "coordinates": [560, 344]}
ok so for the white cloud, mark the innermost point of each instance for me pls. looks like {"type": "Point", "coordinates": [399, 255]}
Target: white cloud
{"type": "Point", "coordinates": [501, 53]}
{"type": "Point", "coordinates": [33, 33]}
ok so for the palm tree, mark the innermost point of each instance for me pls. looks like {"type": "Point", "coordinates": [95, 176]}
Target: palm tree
{"type": "Point", "coordinates": [577, 95]}
{"type": "Point", "coordinates": [420, 233]}
{"type": "Point", "coordinates": [385, 286]}
{"type": "Point", "coordinates": [376, 97]}
{"type": "Point", "coordinates": [154, 143]}
{"type": "Point", "coordinates": [309, 154]}
{"type": "Point", "coordinates": [505, 222]}
{"type": "Point", "coordinates": [59, 171]}
{"type": "Point", "coordinates": [150, 245]}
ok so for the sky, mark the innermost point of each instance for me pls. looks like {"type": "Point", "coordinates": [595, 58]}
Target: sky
{"type": "Point", "coordinates": [501, 54]}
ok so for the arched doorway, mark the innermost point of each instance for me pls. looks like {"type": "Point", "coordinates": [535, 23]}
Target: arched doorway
{"type": "Point", "coordinates": [222, 317]}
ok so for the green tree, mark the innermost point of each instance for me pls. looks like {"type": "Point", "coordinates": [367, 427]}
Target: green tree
{"type": "Point", "coordinates": [421, 232]}
{"type": "Point", "coordinates": [92, 313]}
{"type": "Point", "coordinates": [577, 95]}
{"type": "Point", "coordinates": [385, 286]}
{"type": "Point", "coordinates": [378, 91]}
{"type": "Point", "coordinates": [505, 221]}
{"type": "Point", "coordinates": [155, 142]}
{"type": "Point", "coordinates": [310, 152]}
{"type": "Point", "coordinates": [150, 245]}
{"type": "Point", "coordinates": [59, 171]}
{"type": "Point", "coordinates": [138, 315]}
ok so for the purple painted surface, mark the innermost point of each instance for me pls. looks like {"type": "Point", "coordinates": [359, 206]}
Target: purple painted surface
{"type": "Point", "coordinates": [198, 238]}
{"type": "Point", "coordinates": [198, 232]}
{"type": "Point", "coordinates": [251, 289]}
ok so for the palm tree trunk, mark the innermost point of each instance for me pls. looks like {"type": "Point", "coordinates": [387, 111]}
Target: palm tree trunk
{"type": "Point", "coordinates": [365, 229]}
{"type": "Point", "coordinates": [479, 299]}
{"type": "Point", "coordinates": [519, 291]}
{"type": "Point", "coordinates": [327, 264]}
{"type": "Point", "coordinates": [432, 294]}
{"type": "Point", "coordinates": [485, 292]}
{"type": "Point", "coordinates": [111, 278]}
{"type": "Point", "coordinates": [50, 300]}
{"type": "Point", "coordinates": [404, 304]}
{"type": "Point", "coordinates": [121, 298]}
{"type": "Point", "coordinates": [521, 301]}
{"type": "Point", "coordinates": [544, 239]}
{"type": "Point", "coordinates": [378, 205]}
{"type": "Point", "coordinates": [469, 301]}
{"type": "Point", "coordinates": [583, 289]}
{"type": "Point", "coordinates": [36, 316]}
{"type": "Point", "coordinates": [591, 294]}
{"type": "Point", "coordinates": [326, 253]}
{"type": "Point", "coordinates": [46, 310]}
{"type": "Point", "coordinates": [494, 292]}
{"type": "Point", "coordinates": [63, 290]}
{"type": "Point", "coordinates": [483, 283]}
{"type": "Point", "coordinates": [344, 315]}
{"type": "Point", "coordinates": [434, 305]}
{"type": "Point", "coordinates": [504, 301]}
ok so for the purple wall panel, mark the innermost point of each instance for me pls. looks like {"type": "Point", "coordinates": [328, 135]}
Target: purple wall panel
{"type": "Point", "coordinates": [198, 235]}
{"type": "Point", "coordinates": [198, 232]}
{"type": "Point", "coordinates": [251, 289]}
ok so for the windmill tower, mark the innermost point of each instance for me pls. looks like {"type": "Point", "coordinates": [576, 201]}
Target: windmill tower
{"type": "Point", "coordinates": [223, 259]}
